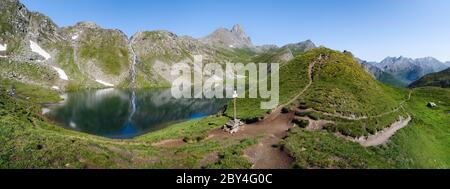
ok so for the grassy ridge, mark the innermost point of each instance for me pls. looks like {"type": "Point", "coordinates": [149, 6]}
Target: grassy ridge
{"type": "Point", "coordinates": [439, 79]}
{"type": "Point", "coordinates": [341, 86]}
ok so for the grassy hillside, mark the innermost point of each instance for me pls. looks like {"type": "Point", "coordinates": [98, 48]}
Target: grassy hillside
{"type": "Point", "coordinates": [108, 48]}
{"type": "Point", "coordinates": [31, 141]}
{"type": "Point", "coordinates": [422, 144]}
{"type": "Point", "coordinates": [439, 79]}
{"type": "Point", "coordinates": [339, 85]}
{"type": "Point", "coordinates": [389, 79]}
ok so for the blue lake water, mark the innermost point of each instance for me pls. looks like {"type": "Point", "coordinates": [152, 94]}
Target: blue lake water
{"type": "Point", "coordinates": [118, 113]}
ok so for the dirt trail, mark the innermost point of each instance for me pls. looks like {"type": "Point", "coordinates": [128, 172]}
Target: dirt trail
{"type": "Point", "coordinates": [310, 76]}
{"type": "Point", "coordinates": [274, 127]}
{"type": "Point", "coordinates": [383, 136]}
{"type": "Point", "coordinates": [263, 154]}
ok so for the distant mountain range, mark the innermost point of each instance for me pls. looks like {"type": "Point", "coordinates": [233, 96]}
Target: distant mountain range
{"type": "Point", "coordinates": [404, 70]}
{"type": "Point", "coordinates": [33, 49]}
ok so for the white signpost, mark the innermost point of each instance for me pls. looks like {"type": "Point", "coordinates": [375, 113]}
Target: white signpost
{"type": "Point", "coordinates": [235, 95]}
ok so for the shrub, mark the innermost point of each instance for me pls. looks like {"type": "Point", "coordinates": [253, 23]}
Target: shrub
{"type": "Point", "coordinates": [314, 116]}
{"type": "Point", "coordinates": [285, 110]}
{"type": "Point", "coordinates": [302, 113]}
{"type": "Point", "coordinates": [300, 122]}
{"type": "Point", "coordinates": [193, 139]}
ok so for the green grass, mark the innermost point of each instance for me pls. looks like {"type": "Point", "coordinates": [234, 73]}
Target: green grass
{"type": "Point", "coordinates": [425, 141]}
{"type": "Point", "coordinates": [198, 128]}
{"type": "Point", "coordinates": [110, 50]}
{"type": "Point", "coordinates": [27, 72]}
{"type": "Point", "coordinates": [31, 141]}
{"type": "Point", "coordinates": [422, 144]}
{"type": "Point", "coordinates": [232, 157]}
{"type": "Point", "coordinates": [321, 149]}
{"type": "Point", "coordinates": [34, 93]}
{"type": "Point", "coordinates": [341, 86]}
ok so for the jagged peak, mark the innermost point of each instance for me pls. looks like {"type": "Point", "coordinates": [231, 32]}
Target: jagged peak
{"type": "Point", "coordinates": [234, 38]}
{"type": "Point", "coordinates": [237, 29]}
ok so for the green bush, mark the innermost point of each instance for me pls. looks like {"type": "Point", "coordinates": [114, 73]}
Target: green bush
{"type": "Point", "coordinates": [285, 110]}
{"type": "Point", "coordinates": [314, 116]}
{"type": "Point", "coordinates": [302, 113]}
{"type": "Point", "coordinates": [300, 122]}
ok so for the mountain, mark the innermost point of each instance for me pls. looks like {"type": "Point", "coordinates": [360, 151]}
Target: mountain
{"type": "Point", "coordinates": [408, 70]}
{"type": "Point", "coordinates": [234, 38]}
{"type": "Point", "coordinates": [273, 54]}
{"type": "Point", "coordinates": [40, 52]}
{"type": "Point", "coordinates": [379, 74]}
{"type": "Point", "coordinates": [33, 49]}
{"type": "Point", "coordinates": [438, 79]}
{"type": "Point", "coordinates": [158, 49]}
{"type": "Point", "coordinates": [301, 47]}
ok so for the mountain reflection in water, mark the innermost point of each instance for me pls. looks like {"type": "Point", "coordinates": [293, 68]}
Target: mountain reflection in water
{"type": "Point", "coordinates": [109, 112]}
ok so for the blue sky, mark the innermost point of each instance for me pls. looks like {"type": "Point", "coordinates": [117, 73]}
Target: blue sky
{"type": "Point", "coordinates": [371, 29]}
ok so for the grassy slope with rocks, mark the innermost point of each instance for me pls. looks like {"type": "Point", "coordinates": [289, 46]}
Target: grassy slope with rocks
{"type": "Point", "coordinates": [110, 50]}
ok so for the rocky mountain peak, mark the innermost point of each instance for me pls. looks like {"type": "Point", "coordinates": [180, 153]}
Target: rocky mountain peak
{"type": "Point", "coordinates": [301, 47]}
{"type": "Point", "coordinates": [237, 29]}
{"type": "Point", "coordinates": [234, 38]}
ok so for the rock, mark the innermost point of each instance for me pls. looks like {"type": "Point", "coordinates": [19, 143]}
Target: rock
{"type": "Point", "coordinates": [431, 105]}
{"type": "Point", "coordinates": [232, 127]}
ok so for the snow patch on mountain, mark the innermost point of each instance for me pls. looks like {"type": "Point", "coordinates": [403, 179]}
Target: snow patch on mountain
{"type": "Point", "coordinates": [3, 47]}
{"type": "Point", "coordinates": [37, 49]}
{"type": "Point", "coordinates": [104, 83]}
{"type": "Point", "coordinates": [62, 75]}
